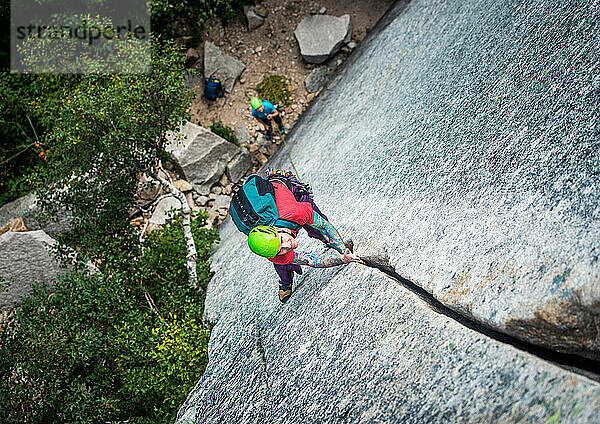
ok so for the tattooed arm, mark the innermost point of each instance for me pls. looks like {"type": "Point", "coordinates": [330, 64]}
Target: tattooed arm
{"type": "Point", "coordinates": [329, 232]}
{"type": "Point", "coordinates": [324, 260]}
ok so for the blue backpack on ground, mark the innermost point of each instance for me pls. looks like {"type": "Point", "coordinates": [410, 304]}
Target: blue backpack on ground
{"type": "Point", "coordinates": [253, 204]}
{"type": "Point", "coordinates": [213, 88]}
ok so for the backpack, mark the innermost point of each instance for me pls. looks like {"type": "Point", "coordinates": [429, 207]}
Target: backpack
{"type": "Point", "coordinates": [253, 204]}
{"type": "Point", "coordinates": [213, 88]}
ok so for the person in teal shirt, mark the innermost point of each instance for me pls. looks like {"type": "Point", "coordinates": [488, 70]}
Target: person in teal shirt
{"type": "Point", "coordinates": [263, 111]}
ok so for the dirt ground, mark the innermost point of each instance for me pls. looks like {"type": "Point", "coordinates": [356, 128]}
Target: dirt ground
{"type": "Point", "coordinates": [272, 48]}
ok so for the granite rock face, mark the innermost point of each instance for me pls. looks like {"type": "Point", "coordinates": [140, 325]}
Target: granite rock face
{"type": "Point", "coordinates": [219, 65]}
{"type": "Point", "coordinates": [471, 161]}
{"type": "Point", "coordinates": [321, 36]}
{"type": "Point", "coordinates": [202, 155]}
{"type": "Point", "coordinates": [24, 259]}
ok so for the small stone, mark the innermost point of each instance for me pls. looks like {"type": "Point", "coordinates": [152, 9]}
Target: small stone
{"type": "Point", "coordinates": [339, 62]}
{"type": "Point", "coordinates": [224, 180]}
{"type": "Point", "coordinates": [310, 97]}
{"type": "Point", "coordinates": [258, 49]}
{"type": "Point", "coordinates": [322, 11]}
{"type": "Point", "coordinates": [182, 185]}
{"type": "Point", "coordinates": [228, 189]}
{"type": "Point", "coordinates": [287, 126]}
{"type": "Point", "coordinates": [242, 81]}
{"type": "Point", "coordinates": [211, 196]}
{"type": "Point", "coordinates": [216, 190]}
{"type": "Point", "coordinates": [294, 107]}
{"type": "Point", "coordinates": [302, 101]}
{"type": "Point", "coordinates": [351, 45]}
{"type": "Point", "coordinates": [261, 158]}
{"type": "Point", "coordinates": [222, 202]}
{"type": "Point", "coordinates": [201, 200]}
{"type": "Point", "coordinates": [253, 147]}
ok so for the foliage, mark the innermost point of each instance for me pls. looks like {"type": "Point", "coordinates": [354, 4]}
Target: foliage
{"type": "Point", "coordinates": [177, 17]}
{"type": "Point", "coordinates": [224, 131]}
{"type": "Point", "coordinates": [28, 104]}
{"type": "Point", "coordinates": [110, 346]}
{"type": "Point", "coordinates": [275, 89]}
{"type": "Point", "coordinates": [109, 130]}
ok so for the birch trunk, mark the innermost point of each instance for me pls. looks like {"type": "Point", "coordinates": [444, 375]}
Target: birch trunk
{"type": "Point", "coordinates": [192, 254]}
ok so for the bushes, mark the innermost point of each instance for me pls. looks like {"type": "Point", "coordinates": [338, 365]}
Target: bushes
{"type": "Point", "coordinates": [224, 131]}
{"type": "Point", "coordinates": [125, 345]}
{"type": "Point", "coordinates": [275, 89]}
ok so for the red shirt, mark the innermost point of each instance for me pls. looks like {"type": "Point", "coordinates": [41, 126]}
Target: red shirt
{"type": "Point", "coordinates": [289, 209]}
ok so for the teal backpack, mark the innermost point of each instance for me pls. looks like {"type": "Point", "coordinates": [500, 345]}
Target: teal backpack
{"type": "Point", "coordinates": [253, 204]}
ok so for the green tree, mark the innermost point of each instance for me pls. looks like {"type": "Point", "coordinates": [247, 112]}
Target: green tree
{"type": "Point", "coordinates": [125, 343]}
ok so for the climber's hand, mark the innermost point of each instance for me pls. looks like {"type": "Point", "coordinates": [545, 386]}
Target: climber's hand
{"type": "Point", "coordinates": [348, 257]}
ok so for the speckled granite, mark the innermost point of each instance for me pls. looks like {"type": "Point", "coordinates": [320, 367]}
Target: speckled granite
{"type": "Point", "coordinates": [462, 140]}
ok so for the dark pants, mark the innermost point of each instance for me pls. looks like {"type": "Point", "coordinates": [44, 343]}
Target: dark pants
{"type": "Point", "coordinates": [267, 122]}
{"type": "Point", "coordinates": [286, 272]}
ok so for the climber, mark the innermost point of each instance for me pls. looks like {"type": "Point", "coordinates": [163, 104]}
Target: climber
{"type": "Point", "coordinates": [278, 243]}
{"type": "Point", "coordinates": [263, 111]}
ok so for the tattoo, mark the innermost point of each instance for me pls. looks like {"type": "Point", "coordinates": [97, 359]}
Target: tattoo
{"type": "Point", "coordinates": [332, 235]}
{"type": "Point", "coordinates": [316, 260]}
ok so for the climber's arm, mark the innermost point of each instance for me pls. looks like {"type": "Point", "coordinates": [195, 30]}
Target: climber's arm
{"type": "Point", "coordinates": [325, 260]}
{"type": "Point", "coordinates": [329, 232]}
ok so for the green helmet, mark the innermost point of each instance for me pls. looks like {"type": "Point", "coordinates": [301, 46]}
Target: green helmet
{"type": "Point", "coordinates": [264, 241]}
{"type": "Point", "coordinates": [255, 102]}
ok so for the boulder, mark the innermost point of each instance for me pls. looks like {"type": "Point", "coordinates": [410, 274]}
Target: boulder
{"type": "Point", "coordinates": [253, 18]}
{"type": "Point", "coordinates": [26, 207]}
{"type": "Point", "coordinates": [202, 155]}
{"type": "Point", "coordinates": [239, 166]}
{"type": "Point", "coordinates": [316, 79]}
{"type": "Point", "coordinates": [242, 134]}
{"type": "Point", "coordinates": [321, 36]}
{"type": "Point", "coordinates": [219, 65]}
{"type": "Point", "coordinates": [24, 259]}
{"type": "Point", "coordinates": [161, 212]}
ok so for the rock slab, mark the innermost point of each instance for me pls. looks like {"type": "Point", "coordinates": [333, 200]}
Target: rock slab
{"type": "Point", "coordinates": [321, 36]}
{"type": "Point", "coordinates": [472, 161]}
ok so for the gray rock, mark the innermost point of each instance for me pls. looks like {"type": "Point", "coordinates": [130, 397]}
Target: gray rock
{"type": "Point", "coordinates": [242, 134]}
{"type": "Point", "coordinates": [23, 206]}
{"type": "Point", "coordinates": [321, 36]}
{"type": "Point", "coordinates": [253, 18]}
{"type": "Point", "coordinates": [219, 65]}
{"type": "Point", "coordinates": [239, 166]}
{"type": "Point", "coordinates": [27, 208]}
{"type": "Point", "coordinates": [161, 212]}
{"type": "Point", "coordinates": [24, 259]}
{"type": "Point", "coordinates": [221, 202]}
{"type": "Point", "coordinates": [316, 79]}
{"type": "Point", "coordinates": [202, 155]}
{"type": "Point", "coordinates": [261, 140]}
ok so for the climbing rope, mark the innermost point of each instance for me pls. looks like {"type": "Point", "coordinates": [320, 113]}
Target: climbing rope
{"type": "Point", "coordinates": [288, 150]}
